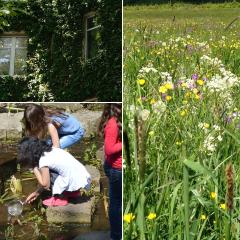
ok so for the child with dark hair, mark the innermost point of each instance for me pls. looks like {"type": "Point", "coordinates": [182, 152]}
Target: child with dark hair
{"type": "Point", "coordinates": [110, 128]}
{"type": "Point", "coordinates": [64, 129]}
{"type": "Point", "coordinates": [54, 168]}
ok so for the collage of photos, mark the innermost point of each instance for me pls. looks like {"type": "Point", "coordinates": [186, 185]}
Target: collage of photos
{"type": "Point", "coordinates": [120, 119]}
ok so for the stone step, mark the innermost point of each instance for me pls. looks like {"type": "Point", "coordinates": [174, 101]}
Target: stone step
{"type": "Point", "coordinates": [78, 212]}
{"type": "Point", "coordinates": [100, 154]}
{"type": "Point", "coordinates": [95, 174]}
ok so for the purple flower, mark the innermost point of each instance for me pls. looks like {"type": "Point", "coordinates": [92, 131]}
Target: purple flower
{"type": "Point", "coordinates": [191, 85]}
{"type": "Point", "coordinates": [229, 119]}
{"type": "Point", "coordinates": [195, 76]}
{"type": "Point", "coordinates": [164, 96]}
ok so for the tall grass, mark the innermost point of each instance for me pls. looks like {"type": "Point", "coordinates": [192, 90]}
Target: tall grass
{"type": "Point", "coordinates": [181, 137]}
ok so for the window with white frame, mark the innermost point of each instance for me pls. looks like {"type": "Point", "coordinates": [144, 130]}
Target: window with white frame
{"type": "Point", "coordinates": [92, 36]}
{"type": "Point", "coordinates": [13, 55]}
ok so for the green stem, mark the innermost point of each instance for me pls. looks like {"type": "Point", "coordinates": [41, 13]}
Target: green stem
{"type": "Point", "coordinates": [228, 227]}
{"type": "Point", "coordinates": [186, 201]}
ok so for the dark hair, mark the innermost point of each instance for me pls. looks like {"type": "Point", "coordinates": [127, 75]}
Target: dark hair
{"type": "Point", "coordinates": [36, 119]}
{"type": "Point", "coordinates": [30, 151]}
{"type": "Point", "coordinates": [111, 110]}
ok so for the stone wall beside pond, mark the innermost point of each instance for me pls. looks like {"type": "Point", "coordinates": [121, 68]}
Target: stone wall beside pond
{"type": "Point", "coordinates": [11, 126]}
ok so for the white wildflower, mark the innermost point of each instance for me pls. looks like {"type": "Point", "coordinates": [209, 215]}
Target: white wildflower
{"type": "Point", "coordinates": [149, 68]}
{"type": "Point", "coordinates": [209, 144]}
{"type": "Point", "coordinates": [166, 76]}
{"type": "Point", "coordinates": [216, 127]}
{"type": "Point", "coordinates": [159, 107]}
{"type": "Point", "coordinates": [219, 138]}
{"type": "Point", "coordinates": [144, 114]}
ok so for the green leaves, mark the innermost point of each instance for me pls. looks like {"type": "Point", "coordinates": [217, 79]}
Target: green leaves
{"type": "Point", "coordinates": [197, 167]}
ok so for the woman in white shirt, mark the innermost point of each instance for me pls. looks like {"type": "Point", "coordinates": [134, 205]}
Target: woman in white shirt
{"type": "Point", "coordinates": [67, 174]}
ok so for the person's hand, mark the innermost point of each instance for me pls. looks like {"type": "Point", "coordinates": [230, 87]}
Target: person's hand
{"type": "Point", "coordinates": [33, 196]}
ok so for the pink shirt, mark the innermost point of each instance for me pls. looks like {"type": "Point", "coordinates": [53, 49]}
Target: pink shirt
{"type": "Point", "coordinates": [112, 144]}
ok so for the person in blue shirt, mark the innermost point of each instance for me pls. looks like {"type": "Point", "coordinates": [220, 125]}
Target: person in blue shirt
{"type": "Point", "coordinates": [64, 129]}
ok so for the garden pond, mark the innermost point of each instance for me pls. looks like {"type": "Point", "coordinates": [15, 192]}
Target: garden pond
{"type": "Point", "coordinates": [32, 223]}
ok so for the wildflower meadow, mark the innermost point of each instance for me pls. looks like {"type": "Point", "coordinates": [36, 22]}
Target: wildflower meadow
{"type": "Point", "coordinates": [182, 122]}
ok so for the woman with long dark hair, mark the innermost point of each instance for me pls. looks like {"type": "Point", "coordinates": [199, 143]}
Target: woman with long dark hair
{"type": "Point", "coordinates": [40, 121]}
{"type": "Point", "coordinates": [110, 128]}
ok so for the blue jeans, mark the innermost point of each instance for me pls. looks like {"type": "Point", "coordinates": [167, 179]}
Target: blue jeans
{"type": "Point", "coordinates": [115, 196]}
{"type": "Point", "coordinates": [66, 141]}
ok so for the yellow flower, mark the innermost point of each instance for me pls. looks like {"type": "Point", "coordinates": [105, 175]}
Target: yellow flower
{"type": "Point", "coordinates": [178, 143]}
{"type": "Point", "coordinates": [128, 217]}
{"type": "Point", "coordinates": [151, 133]}
{"type": "Point", "coordinates": [169, 86]}
{"type": "Point", "coordinates": [203, 217]}
{"type": "Point", "coordinates": [184, 101]}
{"type": "Point", "coordinates": [152, 101]}
{"type": "Point", "coordinates": [168, 98]}
{"type": "Point", "coordinates": [187, 94]}
{"type": "Point", "coordinates": [183, 84]}
{"type": "Point", "coordinates": [195, 91]}
{"type": "Point", "coordinates": [141, 82]}
{"type": "Point", "coordinates": [200, 82]}
{"type": "Point", "coordinates": [162, 89]}
{"type": "Point", "coordinates": [206, 125]}
{"type": "Point", "coordinates": [151, 216]}
{"type": "Point", "coordinates": [213, 195]}
{"type": "Point", "coordinates": [223, 206]}
{"type": "Point", "coordinates": [197, 97]}
{"type": "Point", "coordinates": [183, 113]}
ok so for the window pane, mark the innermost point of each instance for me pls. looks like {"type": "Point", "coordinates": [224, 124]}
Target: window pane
{"type": "Point", "coordinates": [21, 42]}
{"type": "Point", "coordinates": [4, 61]}
{"type": "Point", "coordinates": [20, 61]}
{"type": "Point", "coordinates": [5, 42]}
{"type": "Point", "coordinates": [91, 22]}
{"type": "Point", "coordinates": [93, 42]}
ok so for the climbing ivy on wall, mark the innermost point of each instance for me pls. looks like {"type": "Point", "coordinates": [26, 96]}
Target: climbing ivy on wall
{"type": "Point", "coordinates": [56, 69]}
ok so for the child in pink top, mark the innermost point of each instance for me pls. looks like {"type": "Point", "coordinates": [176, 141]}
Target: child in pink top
{"type": "Point", "coordinates": [111, 128]}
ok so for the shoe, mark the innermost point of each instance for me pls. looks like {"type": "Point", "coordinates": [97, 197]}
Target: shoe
{"type": "Point", "coordinates": [74, 194]}
{"type": "Point", "coordinates": [54, 201]}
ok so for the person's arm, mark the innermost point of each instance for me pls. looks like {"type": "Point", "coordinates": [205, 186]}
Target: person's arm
{"type": "Point", "coordinates": [43, 176]}
{"type": "Point", "coordinates": [111, 137]}
{"type": "Point", "coordinates": [33, 196]}
{"type": "Point", "coordinates": [54, 135]}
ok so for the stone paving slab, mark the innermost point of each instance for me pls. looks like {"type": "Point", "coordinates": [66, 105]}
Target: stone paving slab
{"type": "Point", "coordinates": [79, 212]}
